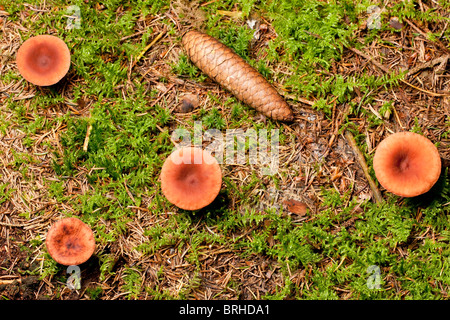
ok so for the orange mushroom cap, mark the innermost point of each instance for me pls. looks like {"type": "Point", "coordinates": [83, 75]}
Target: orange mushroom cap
{"type": "Point", "coordinates": [43, 60]}
{"type": "Point", "coordinates": [407, 164]}
{"type": "Point", "coordinates": [70, 241]}
{"type": "Point", "coordinates": [191, 178]}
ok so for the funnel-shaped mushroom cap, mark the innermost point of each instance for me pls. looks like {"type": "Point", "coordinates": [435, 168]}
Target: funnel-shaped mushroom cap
{"type": "Point", "coordinates": [43, 60]}
{"type": "Point", "coordinates": [70, 241]}
{"type": "Point", "coordinates": [191, 178]}
{"type": "Point", "coordinates": [407, 164]}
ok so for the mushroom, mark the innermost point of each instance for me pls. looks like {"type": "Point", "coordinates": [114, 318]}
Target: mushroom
{"type": "Point", "coordinates": [43, 60]}
{"type": "Point", "coordinates": [191, 178]}
{"type": "Point", "coordinates": [70, 241]}
{"type": "Point", "coordinates": [407, 164]}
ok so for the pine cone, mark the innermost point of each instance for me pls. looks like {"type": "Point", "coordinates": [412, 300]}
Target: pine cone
{"type": "Point", "coordinates": [228, 69]}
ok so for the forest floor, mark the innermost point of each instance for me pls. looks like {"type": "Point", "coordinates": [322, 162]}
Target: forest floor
{"type": "Point", "coordinates": [92, 146]}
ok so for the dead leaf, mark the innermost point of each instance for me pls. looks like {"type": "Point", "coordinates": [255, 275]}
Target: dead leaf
{"type": "Point", "coordinates": [188, 103]}
{"type": "Point", "coordinates": [296, 207]}
{"type": "Point", "coordinates": [161, 87]}
{"type": "Point", "coordinates": [271, 241]}
{"type": "Point", "coordinates": [395, 23]}
{"type": "Point", "coordinates": [190, 12]}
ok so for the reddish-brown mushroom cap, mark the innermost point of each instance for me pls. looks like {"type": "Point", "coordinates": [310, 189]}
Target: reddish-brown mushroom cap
{"type": "Point", "coordinates": [407, 164]}
{"type": "Point", "coordinates": [191, 178]}
{"type": "Point", "coordinates": [70, 241]}
{"type": "Point", "coordinates": [43, 60]}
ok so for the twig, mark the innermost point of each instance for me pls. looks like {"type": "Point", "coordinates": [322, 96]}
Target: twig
{"type": "Point", "coordinates": [17, 225]}
{"type": "Point", "coordinates": [162, 95]}
{"type": "Point", "coordinates": [86, 139]}
{"type": "Point", "coordinates": [159, 36]}
{"type": "Point", "coordinates": [385, 69]}
{"type": "Point", "coordinates": [170, 138]}
{"type": "Point", "coordinates": [371, 59]}
{"type": "Point", "coordinates": [6, 282]}
{"type": "Point", "coordinates": [438, 42]}
{"type": "Point", "coordinates": [28, 224]}
{"type": "Point", "coordinates": [426, 91]}
{"type": "Point", "coordinates": [207, 3]}
{"type": "Point", "coordinates": [440, 60]}
{"type": "Point", "coordinates": [128, 191]}
{"type": "Point", "coordinates": [363, 164]}
{"type": "Point", "coordinates": [133, 35]}
{"type": "Point", "coordinates": [299, 99]}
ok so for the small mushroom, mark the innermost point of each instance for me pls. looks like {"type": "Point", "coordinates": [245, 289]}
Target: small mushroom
{"type": "Point", "coordinates": [191, 178]}
{"type": "Point", "coordinates": [407, 164]}
{"type": "Point", "coordinates": [70, 241]}
{"type": "Point", "coordinates": [43, 60]}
